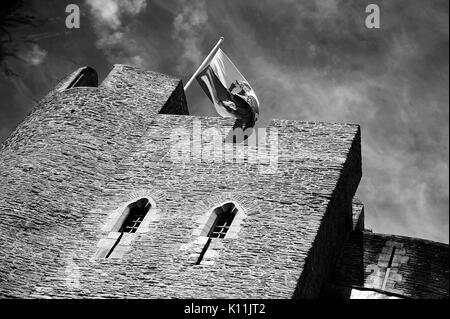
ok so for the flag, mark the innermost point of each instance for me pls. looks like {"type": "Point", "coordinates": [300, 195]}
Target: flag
{"type": "Point", "coordinates": [229, 90]}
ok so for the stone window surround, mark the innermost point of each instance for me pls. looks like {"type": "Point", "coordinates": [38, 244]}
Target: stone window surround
{"type": "Point", "coordinates": [206, 221]}
{"type": "Point", "coordinates": [200, 237]}
{"type": "Point", "coordinates": [113, 224]}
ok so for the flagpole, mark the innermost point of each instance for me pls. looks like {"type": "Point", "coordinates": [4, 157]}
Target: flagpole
{"type": "Point", "coordinates": [205, 62]}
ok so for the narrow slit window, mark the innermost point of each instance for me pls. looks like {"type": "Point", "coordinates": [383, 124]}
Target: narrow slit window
{"type": "Point", "coordinates": [388, 269]}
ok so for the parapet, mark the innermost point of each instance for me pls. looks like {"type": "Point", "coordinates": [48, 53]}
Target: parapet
{"type": "Point", "coordinates": [85, 76]}
{"type": "Point", "coordinates": [159, 93]}
{"type": "Point", "coordinates": [149, 87]}
{"type": "Point", "coordinates": [389, 266]}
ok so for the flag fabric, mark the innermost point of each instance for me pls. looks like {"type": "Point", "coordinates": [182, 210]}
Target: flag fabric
{"type": "Point", "coordinates": [229, 90]}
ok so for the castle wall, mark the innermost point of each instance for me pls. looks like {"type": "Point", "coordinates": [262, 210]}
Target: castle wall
{"type": "Point", "coordinates": [284, 212]}
{"type": "Point", "coordinates": [87, 152]}
{"type": "Point", "coordinates": [419, 269]}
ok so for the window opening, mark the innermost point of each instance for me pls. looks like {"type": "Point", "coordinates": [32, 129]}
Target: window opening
{"type": "Point", "coordinates": [224, 217]}
{"type": "Point", "coordinates": [388, 270]}
{"type": "Point", "coordinates": [136, 212]}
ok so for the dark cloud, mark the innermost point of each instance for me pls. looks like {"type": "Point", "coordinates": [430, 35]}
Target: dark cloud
{"type": "Point", "coordinates": [306, 60]}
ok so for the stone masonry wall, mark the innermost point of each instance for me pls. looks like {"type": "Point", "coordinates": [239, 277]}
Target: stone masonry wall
{"type": "Point", "coordinates": [54, 166]}
{"type": "Point", "coordinates": [87, 152]}
{"type": "Point", "coordinates": [420, 268]}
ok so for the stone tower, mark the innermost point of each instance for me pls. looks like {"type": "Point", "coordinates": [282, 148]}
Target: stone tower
{"type": "Point", "coordinates": [99, 199]}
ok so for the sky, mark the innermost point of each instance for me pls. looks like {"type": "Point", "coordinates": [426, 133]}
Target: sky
{"type": "Point", "coordinates": [306, 60]}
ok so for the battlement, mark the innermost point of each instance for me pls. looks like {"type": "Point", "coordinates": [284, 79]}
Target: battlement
{"type": "Point", "coordinates": [156, 92]}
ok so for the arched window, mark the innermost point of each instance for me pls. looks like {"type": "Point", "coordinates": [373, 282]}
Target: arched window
{"type": "Point", "coordinates": [131, 219]}
{"type": "Point", "coordinates": [135, 215]}
{"type": "Point", "coordinates": [224, 216]}
{"type": "Point", "coordinates": [220, 221]}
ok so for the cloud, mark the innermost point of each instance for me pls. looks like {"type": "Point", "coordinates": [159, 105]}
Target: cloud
{"type": "Point", "coordinates": [314, 60]}
{"type": "Point", "coordinates": [34, 56]}
{"type": "Point", "coordinates": [115, 37]}
{"type": "Point", "coordinates": [109, 12]}
{"type": "Point", "coordinates": [317, 61]}
{"type": "Point", "coordinates": [106, 12]}
{"type": "Point", "coordinates": [189, 28]}
{"type": "Point", "coordinates": [404, 140]}
{"type": "Point", "coordinates": [122, 40]}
